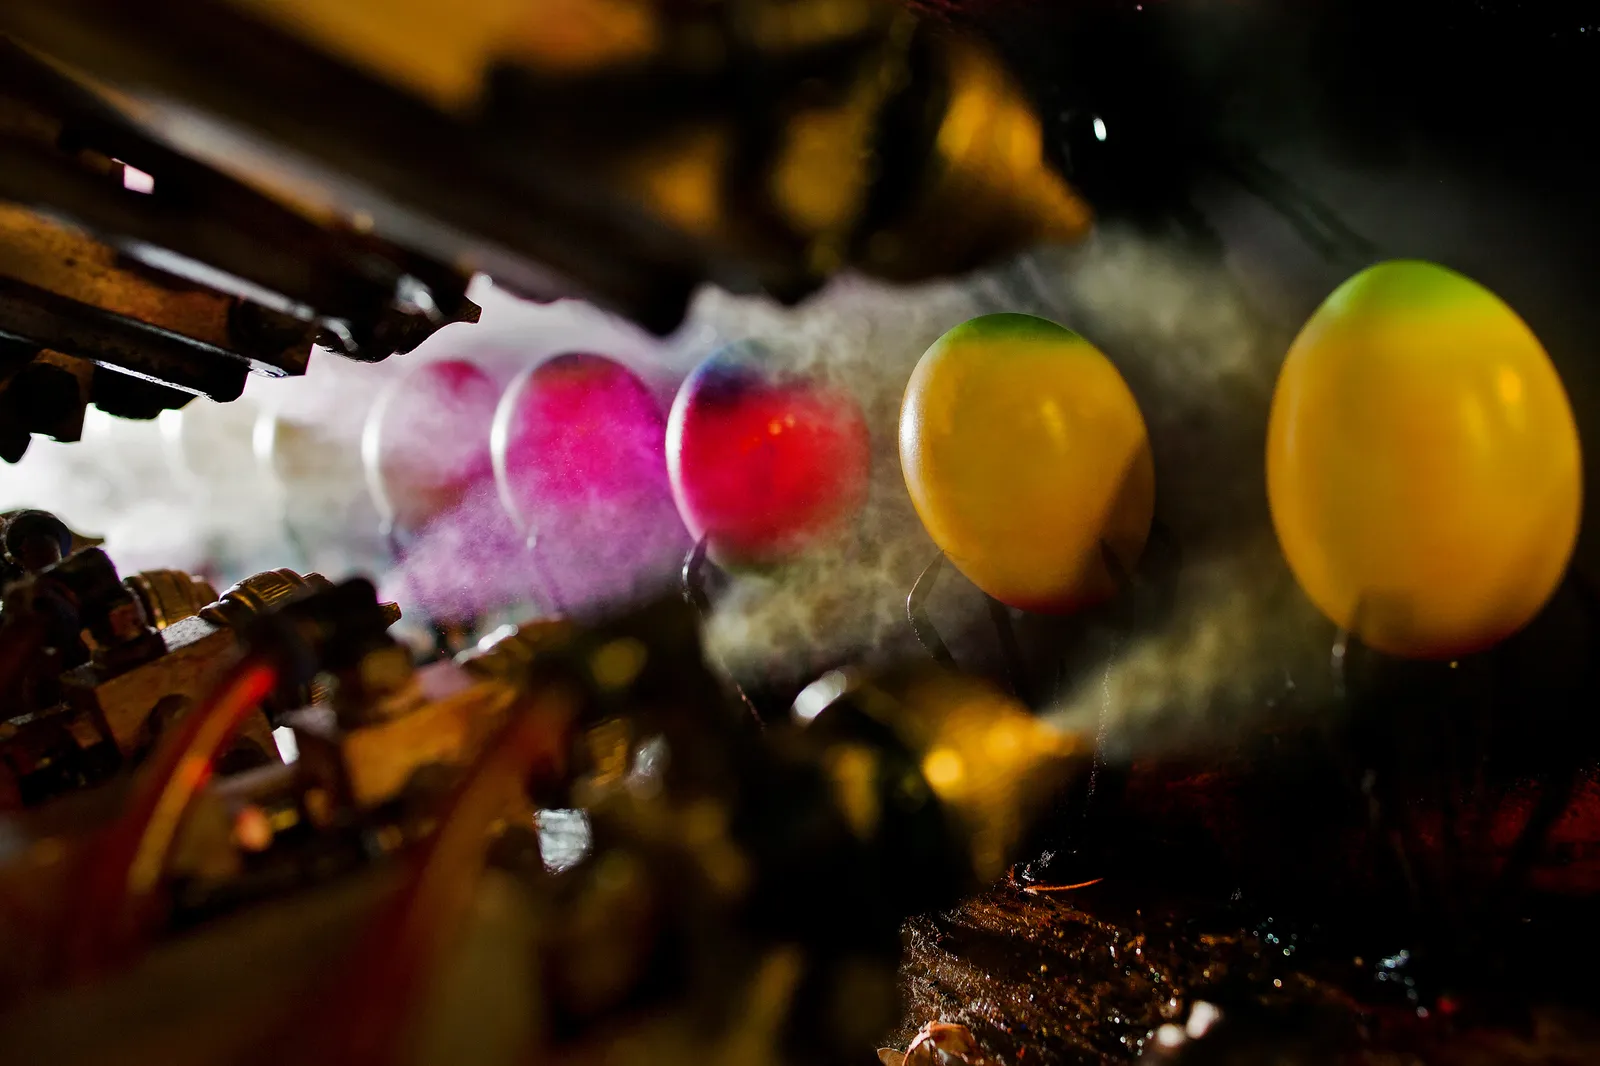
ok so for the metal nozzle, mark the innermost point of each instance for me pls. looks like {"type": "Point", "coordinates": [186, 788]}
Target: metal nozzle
{"type": "Point", "coordinates": [169, 596]}
{"type": "Point", "coordinates": [260, 593]}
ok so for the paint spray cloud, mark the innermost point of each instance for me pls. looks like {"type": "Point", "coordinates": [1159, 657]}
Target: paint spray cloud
{"type": "Point", "coordinates": [1233, 633]}
{"type": "Point", "coordinates": [216, 492]}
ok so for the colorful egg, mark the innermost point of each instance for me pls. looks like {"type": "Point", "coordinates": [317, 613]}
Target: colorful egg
{"type": "Point", "coordinates": [425, 448]}
{"type": "Point", "coordinates": [1025, 453]}
{"type": "Point", "coordinates": [762, 462]}
{"type": "Point", "coordinates": [425, 445]}
{"type": "Point", "coordinates": [1422, 463]}
{"type": "Point", "coordinates": [579, 456]}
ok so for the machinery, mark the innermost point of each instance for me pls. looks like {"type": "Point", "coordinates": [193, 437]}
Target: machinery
{"type": "Point", "coordinates": [739, 897]}
{"type": "Point", "coordinates": [160, 241]}
{"type": "Point", "coordinates": [337, 195]}
{"type": "Point", "coordinates": [98, 667]}
{"type": "Point", "coordinates": [136, 296]}
{"type": "Point", "coordinates": [575, 841]}
{"type": "Point", "coordinates": [251, 827]}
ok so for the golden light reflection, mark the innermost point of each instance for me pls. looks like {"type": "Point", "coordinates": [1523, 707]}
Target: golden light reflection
{"type": "Point", "coordinates": [944, 770]}
{"type": "Point", "coordinates": [854, 771]}
{"type": "Point", "coordinates": [1510, 385]}
{"type": "Point", "coordinates": [616, 664]}
{"type": "Point", "coordinates": [988, 760]}
{"type": "Point", "coordinates": [1005, 740]}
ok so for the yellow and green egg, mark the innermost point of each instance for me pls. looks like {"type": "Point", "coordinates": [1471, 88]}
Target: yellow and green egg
{"type": "Point", "coordinates": [1423, 466]}
{"type": "Point", "coordinates": [1027, 458]}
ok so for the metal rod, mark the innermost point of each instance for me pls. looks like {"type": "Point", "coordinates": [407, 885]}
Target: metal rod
{"type": "Point", "coordinates": [917, 613]}
{"type": "Point", "coordinates": [1010, 650]}
{"type": "Point", "coordinates": [694, 590]}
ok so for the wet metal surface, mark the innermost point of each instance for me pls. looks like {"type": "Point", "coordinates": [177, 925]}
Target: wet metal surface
{"type": "Point", "coordinates": [1092, 977]}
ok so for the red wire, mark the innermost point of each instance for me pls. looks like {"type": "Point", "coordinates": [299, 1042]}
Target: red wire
{"type": "Point", "coordinates": [124, 867]}
{"type": "Point", "coordinates": [1062, 888]}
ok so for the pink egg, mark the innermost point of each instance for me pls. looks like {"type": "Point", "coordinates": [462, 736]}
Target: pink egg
{"type": "Point", "coordinates": [465, 563]}
{"type": "Point", "coordinates": [579, 457]}
{"type": "Point", "coordinates": [426, 441]}
{"type": "Point", "coordinates": [425, 447]}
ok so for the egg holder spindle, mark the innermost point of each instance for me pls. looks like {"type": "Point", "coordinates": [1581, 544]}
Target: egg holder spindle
{"type": "Point", "coordinates": [694, 592]}
{"type": "Point", "coordinates": [1388, 702]}
{"type": "Point", "coordinates": [934, 645]}
{"type": "Point", "coordinates": [448, 638]}
{"type": "Point", "coordinates": [1369, 747]}
{"type": "Point", "coordinates": [1141, 595]}
{"type": "Point", "coordinates": [1152, 577]}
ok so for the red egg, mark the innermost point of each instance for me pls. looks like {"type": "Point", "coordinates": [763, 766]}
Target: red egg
{"type": "Point", "coordinates": [763, 463]}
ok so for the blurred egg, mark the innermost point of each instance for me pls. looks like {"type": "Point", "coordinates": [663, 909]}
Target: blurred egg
{"type": "Point", "coordinates": [131, 451]}
{"type": "Point", "coordinates": [307, 440]}
{"type": "Point", "coordinates": [307, 443]}
{"type": "Point", "coordinates": [426, 451]}
{"type": "Point", "coordinates": [762, 462]}
{"type": "Point", "coordinates": [425, 445]}
{"type": "Point", "coordinates": [208, 446]}
{"type": "Point", "coordinates": [1422, 463]}
{"type": "Point", "coordinates": [579, 457]}
{"type": "Point", "coordinates": [1024, 451]}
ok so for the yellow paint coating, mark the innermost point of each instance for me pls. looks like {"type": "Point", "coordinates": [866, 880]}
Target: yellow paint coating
{"type": "Point", "coordinates": [1423, 466]}
{"type": "Point", "coordinates": [1023, 449]}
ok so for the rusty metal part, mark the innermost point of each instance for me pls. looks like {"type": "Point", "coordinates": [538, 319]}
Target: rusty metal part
{"type": "Point", "coordinates": [623, 150]}
{"type": "Point", "coordinates": [123, 660]}
{"type": "Point", "coordinates": [267, 591]}
{"type": "Point", "coordinates": [30, 314]}
{"type": "Point", "coordinates": [169, 596]}
{"type": "Point", "coordinates": [506, 654]}
{"type": "Point", "coordinates": [41, 392]}
{"type": "Point", "coordinates": [103, 714]}
{"type": "Point", "coordinates": [442, 717]}
{"type": "Point", "coordinates": [68, 154]}
{"type": "Point", "coordinates": [35, 539]}
{"type": "Point", "coordinates": [127, 702]}
{"type": "Point", "coordinates": [70, 264]}
{"type": "Point", "coordinates": [132, 277]}
{"type": "Point", "coordinates": [133, 705]}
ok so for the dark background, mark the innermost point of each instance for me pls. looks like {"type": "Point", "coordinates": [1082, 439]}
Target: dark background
{"type": "Point", "coordinates": [1300, 140]}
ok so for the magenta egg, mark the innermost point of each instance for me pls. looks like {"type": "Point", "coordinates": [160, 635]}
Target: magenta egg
{"type": "Point", "coordinates": [764, 464]}
{"type": "Point", "coordinates": [579, 457]}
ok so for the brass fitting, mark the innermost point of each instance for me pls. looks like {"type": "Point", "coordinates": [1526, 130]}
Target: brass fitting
{"type": "Point", "coordinates": [260, 593]}
{"type": "Point", "coordinates": [506, 654]}
{"type": "Point", "coordinates": [169, 596]}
